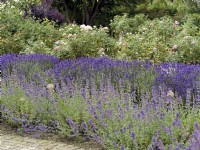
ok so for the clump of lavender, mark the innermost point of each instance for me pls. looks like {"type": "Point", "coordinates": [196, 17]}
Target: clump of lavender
{"type": "Point", "coordinates": [116, 103]}
{"type": "Point", "coordinates": [195, 140]}
{"type": "Point", "coordinates": [178, 77]}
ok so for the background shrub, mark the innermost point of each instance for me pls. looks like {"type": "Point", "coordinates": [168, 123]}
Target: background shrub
{"type": "Point", "coordinates": [84, 41]}
{"type": "Point", "coordinates": [124, 24]}
{"type": "Point", "coordinates": [20, 35]}
{"type": "Point", "coordinates": [162, 40]}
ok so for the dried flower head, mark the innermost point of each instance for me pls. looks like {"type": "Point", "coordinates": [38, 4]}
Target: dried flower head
{"type": "Point", "coordinates": [170, 93]}
{"type": "Point", "coordinates": [64, 34]}
{"type": "Point", "coordinates": [50, 87]}
{"type": "Point", "coordinates": [22, 99]}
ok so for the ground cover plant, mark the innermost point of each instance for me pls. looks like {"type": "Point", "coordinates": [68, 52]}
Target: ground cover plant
{"type": "Point", "coordinates": [119, 104]}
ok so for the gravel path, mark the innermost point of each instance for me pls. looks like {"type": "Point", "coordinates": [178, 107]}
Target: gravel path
{"type": "Point", "coordinates": [15, 142]}
{"type": "Point", "coordinates": [9, 141]}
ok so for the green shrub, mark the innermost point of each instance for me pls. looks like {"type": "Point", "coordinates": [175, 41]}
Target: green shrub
{"type": "Point", "coordinates": [188, 44]}
{"type": "Point", "coordinates": [124, 24]}
{"type": "Point", "coordinates": [161, 40]}
{"type": "Point", "coordinates": [21, 35]}
{"type": "Point", "coordinates": [84, 41]}
{"type": "Point", "coordinates": [150, 41]}
{"type": "Point", "coordinates": [159, 8]}
{"type": "Point", "coordinates": [195, 18]}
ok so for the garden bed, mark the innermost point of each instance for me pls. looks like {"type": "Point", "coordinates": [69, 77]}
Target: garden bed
{"type": "Point", "coordinates": [119, 104]}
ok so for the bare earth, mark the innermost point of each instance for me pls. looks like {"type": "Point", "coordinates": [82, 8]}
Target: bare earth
{"type": "Point", "coordinates": [11, 140]}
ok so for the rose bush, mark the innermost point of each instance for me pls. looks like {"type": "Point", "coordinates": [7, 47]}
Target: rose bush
{"type": "Point", "coordinates": [161, 40]}
{"type": "Point", "coordinates": [84, 41]}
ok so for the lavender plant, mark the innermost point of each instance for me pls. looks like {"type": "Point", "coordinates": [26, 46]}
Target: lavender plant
{"type": "Point", "coordinates": [180, 78]}
{"type": "Point", "coordinates": [119, 104]}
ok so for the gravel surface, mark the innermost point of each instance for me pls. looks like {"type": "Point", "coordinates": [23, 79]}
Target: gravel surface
{"type": "Point", "coordinates": [11, 140]}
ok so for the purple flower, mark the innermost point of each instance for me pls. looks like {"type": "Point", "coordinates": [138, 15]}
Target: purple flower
{"type": "Point", "coordinates": [114, 144]}
{"type": "Point", "coordinates": [17, 119]}
{"type": "Point", "coordinates": [95, 116]}
{"type": "Point", "coordinates": [92, 124]}
{"type": "Point", "coordinates": [70, 122]}
{"type": "Point", "coordinates": [97, 138]}
{"type": "Point", "coordinates": [132, 135]}
{"type": "Point", "coordinates": [157, 144]}
{"type": "Point", "coordinates": [122, 147]}
{"type": "Point", "coordinates": [176, 121]}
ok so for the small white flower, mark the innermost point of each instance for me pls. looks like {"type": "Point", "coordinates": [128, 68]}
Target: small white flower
{"type": "Point", "coordinates": [176, 22]}
{"type": "Point", "coordinates": [57, 42]}
{"type": "Point", "coordinates": [56, 48]}
{"type": "Point", "coordinates": [175, 47]}
{"type": "Point", "coordinates": [105, 28]}
{"type": "Point", "coordinates": [187, 37]}
{"type": "Point", "coordinates": [102, 54]}
{"type": "Point", "coordinates": [82, 26]}
{"type": "Point", "coordinates": [2, 6]}
{"type": "Point", "coordinates": [140, 39]}
{"type": "Point", "coordinates": [120, 40]}
{"type": "Point", "coordinates": [193, 42]}
{"type": "Point", "coordinates": [143, 28]}
{"type": "Point", "coordinates": [32, 52]}
{"type": "Point", "coordinates": [88, 27]}
{"type": "Point", "coordinates": [70, 35]}
{"type": "Point", "coordinates": [154, 48]}
{"type": "Point", "coordinates": [21, 13]}
{"type": "Point", "coordinates": [101, 50]}
{"type": "Point", "coordinates": [129, 33]}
